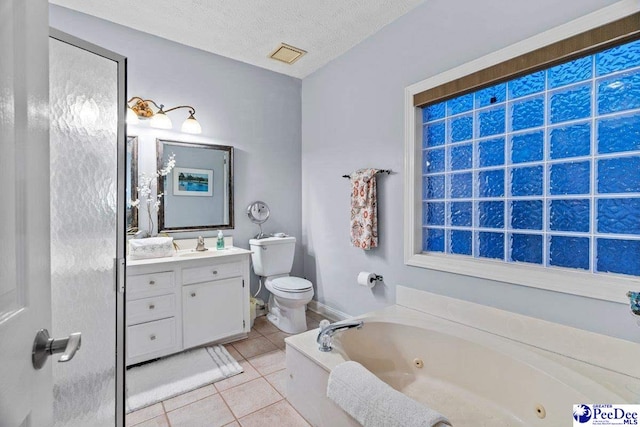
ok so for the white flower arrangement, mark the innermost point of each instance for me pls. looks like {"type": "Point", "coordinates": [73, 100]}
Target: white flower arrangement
{"type": "Point", "coordinates": [145, 192]}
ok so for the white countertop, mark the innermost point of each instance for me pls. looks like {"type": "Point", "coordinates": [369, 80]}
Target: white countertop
{"type": "Point", "coordinates": [190, 255]}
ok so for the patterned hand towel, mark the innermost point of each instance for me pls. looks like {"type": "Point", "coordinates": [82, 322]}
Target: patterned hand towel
{"type": "Point", "coordinates": [364, 209]}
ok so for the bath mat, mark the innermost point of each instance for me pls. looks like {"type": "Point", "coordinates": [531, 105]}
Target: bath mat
{"type": "Point", "coordinates": [173, 375]}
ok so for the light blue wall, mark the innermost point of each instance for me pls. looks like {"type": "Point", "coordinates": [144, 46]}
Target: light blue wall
{"type": "Point", "coordinates": [254, 110]}
{"type": "Point", "coordinates": [352, 117]}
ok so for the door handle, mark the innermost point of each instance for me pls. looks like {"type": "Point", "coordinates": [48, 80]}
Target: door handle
{"type": "Point", "coordinates": [44, 346]}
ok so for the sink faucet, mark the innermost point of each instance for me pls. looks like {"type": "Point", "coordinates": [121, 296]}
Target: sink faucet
{"type": "Point", "coordinates": [200, 246]}
{"type": "Point", "coordinates": [328, 330]}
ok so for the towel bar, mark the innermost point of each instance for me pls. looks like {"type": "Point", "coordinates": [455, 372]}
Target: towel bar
{"type": "Point", "coordinates": [387, 171]}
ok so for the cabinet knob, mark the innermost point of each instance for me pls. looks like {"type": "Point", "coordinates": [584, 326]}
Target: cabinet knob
{"type": "Point", "coordinates": [193, 294]}
{"type": "Point", "coordinates": [152, 337]}
{"type": "Point", "coordinates": [152, 282]}
{"type": "Point", "coordinates": [215, 271]}
{"type": "Point", "coordinates": [151, 306]}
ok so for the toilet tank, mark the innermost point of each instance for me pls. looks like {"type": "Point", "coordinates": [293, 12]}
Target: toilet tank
{"type": "Point", "coordinates": [273, 255]}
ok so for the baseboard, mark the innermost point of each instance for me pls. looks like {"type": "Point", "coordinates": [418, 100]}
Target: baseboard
{"type": "Point", "coordinates": [328, 312]}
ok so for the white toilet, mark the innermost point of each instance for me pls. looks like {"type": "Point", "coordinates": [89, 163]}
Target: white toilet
{"type": "Point", "coordinates": [272, 259]}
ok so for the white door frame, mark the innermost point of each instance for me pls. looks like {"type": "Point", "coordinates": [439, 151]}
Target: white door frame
{"type": "Point", "coordinates": [119, 261]}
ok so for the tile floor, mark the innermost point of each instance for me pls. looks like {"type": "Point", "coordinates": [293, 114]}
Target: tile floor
{"type": "Point", "coordinates": [255, 397]}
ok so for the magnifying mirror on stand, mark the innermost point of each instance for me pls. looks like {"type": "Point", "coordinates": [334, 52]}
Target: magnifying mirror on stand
{"type": "Point", "coordinates": [258, 212]}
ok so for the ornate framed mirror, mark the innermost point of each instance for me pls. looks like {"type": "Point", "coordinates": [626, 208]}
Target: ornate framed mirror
{"type": "Point", "coordinates": [198, 192]}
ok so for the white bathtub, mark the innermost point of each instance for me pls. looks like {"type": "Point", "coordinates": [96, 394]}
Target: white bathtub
{"type": "Point", "coordinates": [473, 377]}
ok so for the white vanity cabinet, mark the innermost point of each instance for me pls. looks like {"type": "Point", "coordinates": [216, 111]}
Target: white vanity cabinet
{"type": "Point", "coordinates": [185, 301]}
{"type": "Point", "coordinates": [212, 311]}
{"type": "Point", "coordinates": [213, 297]}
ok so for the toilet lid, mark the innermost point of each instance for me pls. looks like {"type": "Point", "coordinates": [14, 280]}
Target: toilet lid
{"type": "Point", "coordinates": [291, 284]}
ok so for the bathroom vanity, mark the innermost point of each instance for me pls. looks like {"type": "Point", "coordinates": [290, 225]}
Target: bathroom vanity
{"type": "Point", "coordinates": [184, 301]}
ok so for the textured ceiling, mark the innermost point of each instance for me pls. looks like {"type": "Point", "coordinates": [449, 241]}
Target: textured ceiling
{"type": "Point", "coordinates": [249, 31]}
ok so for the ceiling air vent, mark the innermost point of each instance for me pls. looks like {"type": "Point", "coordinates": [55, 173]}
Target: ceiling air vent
{"type": "Point", "coordinates": [287, 54]}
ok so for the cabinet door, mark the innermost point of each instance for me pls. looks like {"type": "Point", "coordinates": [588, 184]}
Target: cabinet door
{"type": "Point", "coordinates": [212, 311]}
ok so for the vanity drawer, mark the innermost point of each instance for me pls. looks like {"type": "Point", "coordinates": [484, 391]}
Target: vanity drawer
{"type": "Point", "coordinates": [148, 284]}
{"type": "Point", "coordinates": [152, 308]}
{"type": "Point", "coordinates": [211, 272]}
{"type": "Point", "coordinates": [151, 337]}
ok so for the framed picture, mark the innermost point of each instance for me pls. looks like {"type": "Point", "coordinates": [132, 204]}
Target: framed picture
{"type": "Point", "coordinates": [192, 182]}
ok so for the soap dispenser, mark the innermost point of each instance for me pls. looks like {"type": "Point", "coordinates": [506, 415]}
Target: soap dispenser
{"type": "Point", "coordinates": [220, 242]}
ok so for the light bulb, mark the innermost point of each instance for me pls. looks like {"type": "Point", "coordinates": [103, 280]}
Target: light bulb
{"type": "Point", "coordinates": [160, 121]}
{"type": "Point", "coordinates": [132, 117]}
{"type": "Point", "coordinates": [191, 125]}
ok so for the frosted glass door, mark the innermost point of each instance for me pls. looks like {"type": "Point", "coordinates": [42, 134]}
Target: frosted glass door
{"type": "Point", "coordinates": [84, 230]}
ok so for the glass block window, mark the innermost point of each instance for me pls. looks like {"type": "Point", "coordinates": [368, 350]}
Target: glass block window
{"type": "Point", "coordinates": [543, 169]}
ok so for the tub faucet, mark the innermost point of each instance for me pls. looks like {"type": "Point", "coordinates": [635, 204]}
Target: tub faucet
{"type": "Point", "coordinates": [200, 246]}
{"type": "Point", "coordinates": [328, 330]}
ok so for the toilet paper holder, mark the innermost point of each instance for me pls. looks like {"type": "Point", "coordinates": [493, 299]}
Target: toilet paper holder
{"type": "Point", "coordinates": [368, 279]}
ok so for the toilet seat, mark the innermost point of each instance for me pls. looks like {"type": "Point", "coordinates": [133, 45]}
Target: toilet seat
{"type": "Point", "coordinates": [291, 284]}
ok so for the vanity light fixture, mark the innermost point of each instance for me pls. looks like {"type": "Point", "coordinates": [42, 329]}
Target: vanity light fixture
{"type": "Point", "coordinates": [141, 109]}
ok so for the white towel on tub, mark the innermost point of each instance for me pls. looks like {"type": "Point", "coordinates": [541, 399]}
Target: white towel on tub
{"type": "Point", "coordinates": [373, 403]}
